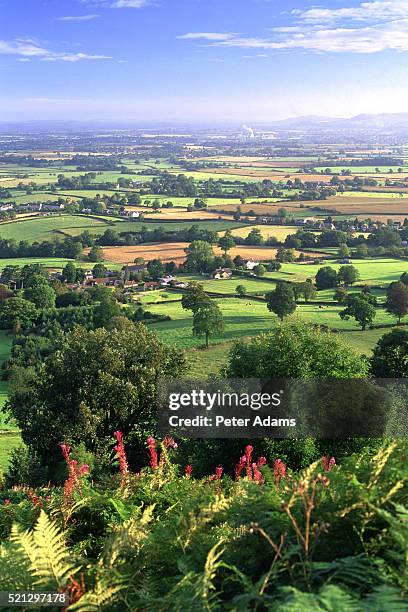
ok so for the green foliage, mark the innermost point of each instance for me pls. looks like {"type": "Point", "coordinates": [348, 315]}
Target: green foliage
{"type": "Point", "coordinates": [326, 278]}
{"type": "Point", "coordinates": [282, 300]}
{"type": "Point", "coordinates": [334, 541]}
{"type": "Point", "coordinates": [390, 355]}
{"type": "Point", "coordinates": [295, 350]}
{"type": "Point", "coordinates": [360, 308]}
{"type": "Point", "coordinates": [90, 387]}
{"type": "Point", "coordinates": [208, 321]}
{"type": "Point", "coordinates": [17, 312]}
{"type": "Point", "coordinates": [397, 300]}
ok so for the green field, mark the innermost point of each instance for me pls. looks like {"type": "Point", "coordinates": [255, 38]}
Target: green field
{"type": "Point", "coordinates": [247, 318]}
{"type": "Point", "coordinates": [47, 228]}
{"type": "Point", "coordinates": [378, 271]}
{"type": "Point", "coordinates": [228, 286]}
{"type": "Point", "coordinates": [9, 437]}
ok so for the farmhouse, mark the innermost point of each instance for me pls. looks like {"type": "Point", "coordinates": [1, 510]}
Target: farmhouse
{"type": "Point", "coordinates": [250, 265]}
{"type": "Point", "coordinates": [166, 280]}
{"type": "Point", "coordinates": [221, 273]}
{"type": "Point", "coordinates": [135, 268]}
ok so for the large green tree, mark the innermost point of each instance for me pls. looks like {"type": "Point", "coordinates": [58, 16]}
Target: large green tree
{"type": "Point", "coordinates": [295, 349]}
{"type": "Point", "coordinates": [397, 300]}
{"type": "Point", "coordinates": [208, 321]}
{"type": "Point", "coordinates": [348, 275]}
{"type": "Point", "coordinates": [326, 278]}
{"type": "Point", "coordinates": [39, 291]}
{"type": "Point", "coordinates": [359, 308]}
{"type": "Point", "coordinates": [17, 311]}
{"type": "Point", "coordinates": [226, 242]}
{"type": "Point", "coordinates": [390, 355]}
{"type": "Point", "coordinates": [199, 256]}
{"type": "Point", "coordinates": [95, 383]}
{"type": "Point", "coordinates": [195, 297]}
{"type": "Point", "coordinates": [282, 300]}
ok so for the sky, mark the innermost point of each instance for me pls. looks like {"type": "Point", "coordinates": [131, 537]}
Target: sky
{"type": "Point", "coordinates": [248, 61]}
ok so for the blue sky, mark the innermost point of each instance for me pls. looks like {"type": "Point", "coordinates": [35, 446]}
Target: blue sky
{"type": "Point", "coordinates": [204, 60]}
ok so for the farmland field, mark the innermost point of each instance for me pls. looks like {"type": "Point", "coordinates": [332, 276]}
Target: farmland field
{"type": "Point", "coordinates": [246, 318]}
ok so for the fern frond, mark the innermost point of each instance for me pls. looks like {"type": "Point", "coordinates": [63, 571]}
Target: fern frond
{"type": "Point", "coordinates": [100, 599]}
{"type": "Point", "coordinates": [44, 548]}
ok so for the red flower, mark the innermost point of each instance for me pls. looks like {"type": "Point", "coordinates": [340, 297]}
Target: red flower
{"type": "Point", "coordinates": [258, 476]}
{"type": "Point", "coordinates": [188, 470]}
{"type": "Point", "coordinates": [328, 464]}
{"type": "Point", "coordinates": [239, 467]}
{"type": "Point", "coordinates": [121, 454]}
{"type": "Point", "coordinates": [74, 472]}
{"type": "Point", "coordinates": [279, 470]}
{"type": "Point", "coordinates": [7, 502]}
{"type": "Point", "coordinates": [248, 458]}
{"type": "Point", "coordinates": [261, 461]}
{"type": "Point", "coordinates": [151, 443]}
{"type": "Point", "coordinates": [218, 474]}
{"type": "Point", "coordinates": [169, 442]}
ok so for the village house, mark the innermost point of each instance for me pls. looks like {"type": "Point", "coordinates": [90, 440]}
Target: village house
{"type": "Point", "coordinates": [150, 286]}
{"type": "Point", "coordinates": [221, 273]}
{"type": "Point", "coordinates": [135, 268]}
{"type": "Point", "coordinates": [165, 281]}
{"type": "Point", "coordinates": [250, 265]}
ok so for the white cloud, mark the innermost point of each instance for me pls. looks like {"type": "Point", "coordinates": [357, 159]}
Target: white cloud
{"type": "Point", "coordinates": [371, 27]}
{"type": "Point", "coordinates": [117, 4]}
{"type": "Point", "coordinates": [78, 18]}
{"type": "Point", "coordinates": [217, 36]}
{"type": "Point", "coordinates": [27, 48]}
{"type": "Point", "coordinates": [366, 11]}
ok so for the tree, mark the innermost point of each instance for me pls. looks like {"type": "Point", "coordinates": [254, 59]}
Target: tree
{"type": "Point", "coordinates": [390, 355]}
{"type": "Point", "coordinates": [106, 310]}
{"type": "Point", "coordinates": [89, 388]}
{"type": "Point", "coordinates": [96, 254]}
{"type": "Point", "coordinates": [40, 292]}
{"type": "Point", "coordinates": [208, 321]}
{"type": "Point", "coordinates": [281, 301]}
{"type": "Point", "coordinates": [360, 309]}
{"type": "Point", "coordinates": [259, 270]}
{"type": "Point", "coordinates": [195, 297]}
{"type": "Point", "coordinates": [155, 269]}
{"type": "Point", "coordinates": [348, 275]}
{"type": "Point", "coordinates": [99, 271]}
{"type": "Point", "coordinates": [308, 290]}
{"type": "Point", "coordinates": [397, 300]}
{"type": "Point", "coordinates": [295, 349]}
{"type": "Point", "coordinates": [199, 256]}
{"type": "Point", "coordinates": [17, 311]}
{"type": "Point", "coordinates": [254, 237]}
{"type": "Point", "coordinates": [326, 278]}
{"type": "Point", "coordinates": [362, 251]}
{"type": "Point", "coordinates": [340, 295]}
{"type": "Point", "coordinates": [240, 290]}
{"type": "Point", "coordinates": [69, 273]}
{"type": "Point", "coordinates": [274, 266]}
{"type": "Point", "coordinates": [285, 255]}
{"type": "Point", "coordinates": [343, 251]}
{"type": "Point", "coordinates": [226, 242]}
{"type": "Point", "coordinates": [239, 262]}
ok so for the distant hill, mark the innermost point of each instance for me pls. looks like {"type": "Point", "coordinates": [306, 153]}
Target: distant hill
{"type": "Point", "coordinates": [384, 121]}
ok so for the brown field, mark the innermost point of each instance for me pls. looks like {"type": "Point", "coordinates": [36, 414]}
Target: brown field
{"type": "Point", "coordinates": [174, 251]}
{"type": "Point", "coordinates": [179, 214]}
{"type": "Point", "coordinates": [385, 189]}
{"type": "Point", "coordinates": [166, 251]}
{"type": "Point", "coordinates": [368, 206]}
{"type": "Point", "coordinates": [264, 209]}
